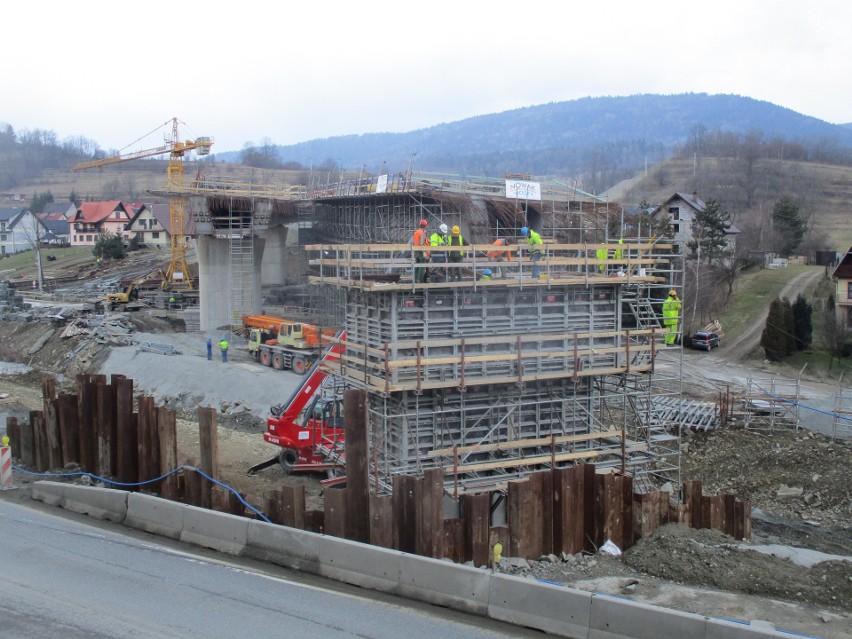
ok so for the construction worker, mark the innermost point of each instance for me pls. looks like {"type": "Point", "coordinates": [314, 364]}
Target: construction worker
{"type": "Point", "coordinates": [456, 257]}
{"type": "Point", "coordinates": [671, 314]}
{"type": "Point", "coordinates": [618, 254]}
{"type": "Point", "coordinates": [438, 238]}
{"type": "Point", "coordinates": [486, 276]}
{"type": "Point", "coordinates": [209, 349]}
{"type": "Point", "coordinates": [500, 256]}
{"type": "Point", "coordinates": [534, 241]}
{"type": "Point", "coordinates": [223, 348]}
{"type": "Point", "coordinates": [420, 238]}
{"type": "Point", "coordinates": [601, 254]}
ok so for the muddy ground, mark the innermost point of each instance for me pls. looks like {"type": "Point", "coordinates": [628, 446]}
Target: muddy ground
{"type": "Point", "coordinates": [799, 484]}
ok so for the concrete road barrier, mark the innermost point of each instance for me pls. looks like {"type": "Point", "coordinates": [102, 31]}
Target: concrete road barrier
{"type": "Point", "coordinates": [283, 546]}
{"type": "Point", "coordinates": [155, 515]}
{"type": "Point", "coordinates": [444, 583]}
{"type": "Point", "coordinates": [212, 529]}
{"type": "Point", "coordinates": [101, 503]}
{"type": "Point", "coordinates": [556, 610]}
{"type": "Point", "coordinates": [726, 629]}
{"type": "Point", "coordinates": [359, 564]}
{"type": "Point", "coordinates": [617, 618]}
{"type": "Point", "coordinates": [559, 611]}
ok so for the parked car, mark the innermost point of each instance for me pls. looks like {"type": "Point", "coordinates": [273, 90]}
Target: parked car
{"type": "Point", "coordinates": [705, 340]}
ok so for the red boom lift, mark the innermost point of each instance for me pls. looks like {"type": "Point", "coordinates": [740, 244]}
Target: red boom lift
{"type": "Point", "coordinates": [309, 426]}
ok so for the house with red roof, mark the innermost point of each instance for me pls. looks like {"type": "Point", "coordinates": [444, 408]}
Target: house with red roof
{"type": "Point", "coordinates": [99, 218]}
{"type": "Point", "coordinates": [843, 281]}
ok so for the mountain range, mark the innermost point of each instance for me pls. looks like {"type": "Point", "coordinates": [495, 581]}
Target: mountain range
{"type": "Point", "coordinates": [565, 138]}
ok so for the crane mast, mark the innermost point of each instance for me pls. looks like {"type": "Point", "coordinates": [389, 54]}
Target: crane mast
{"type": "Point", "coordinates": [177, 275]}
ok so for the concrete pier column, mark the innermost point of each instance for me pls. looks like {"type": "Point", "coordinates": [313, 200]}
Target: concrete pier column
{"type": "Point", "coordinates": [213, 282]}
{"type": "Point", "coordinates": [274, 256]}
{"type": "Point", "coordinates": [227, 290]}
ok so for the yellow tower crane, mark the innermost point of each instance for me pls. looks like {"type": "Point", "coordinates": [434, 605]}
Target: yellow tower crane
{"type": "Point", "coordinates": [177, 276]}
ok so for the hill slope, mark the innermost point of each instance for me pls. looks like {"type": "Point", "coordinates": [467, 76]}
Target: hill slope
{"type": "Point", "coordinates": [559, 138]}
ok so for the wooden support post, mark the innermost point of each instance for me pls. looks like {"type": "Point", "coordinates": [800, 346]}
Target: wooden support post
{"type": "Point", "coordinates": [626, 506]}
{"type": "Point", "coordinates": [147, 424]}
{"type": "Point", "coordinates": [746, 531]}
{"type": "Point", "coordinates": [41, 455]}
{"type": "Point", "coordinates": [272, 505]}
{"type": "Point", "coordinates": [453, 540]}
{"type": "Point", "coordinates": [27, 452]}
{"type": "Point", "coordinates": [69, 427]}
{"type": "Point", "coordinates": [525, 517]}
{"type": "Point", "coordinates": [209, 444]}
{"type": "Point", "coordinates": [476, 510]}
{"type": "Point", "coordinates": [692, 499]}
{"type": "Point", "coordinates": [381, 521]}
{"type": "Point", "coordinates": [13, 430]}
{"type": "Point", "coordinates": [127, 444]}
{"type": "Point", "coordinates": [357, 524]}
{"type": "Point", "coordinates": [729, 502]}
{"type": "Point", "coordinates": [717, 513]}
{"type": "Point", "coordinates": [589, 475]}
{"type": "Point", "coordinates": [334, 508]}
{"type": "Point", "coordinates": [292, 507]}
{"type": "Point", "coordinates": [87, 421]}
{"type": "Point", "coordinates": [51, 424]}
{"type": "Point", "coordinates": [429, 511]}
{"type": "Point", "coordinates": [106, 431]}
{"type": "Point", "coordinates": [404, 518]}
{"type": "Point", "coordinates": [315, 521]}
{"type": "Point", "coordinates": [167, 435]}
{"type": "Point", "coordinates": [569, 510]}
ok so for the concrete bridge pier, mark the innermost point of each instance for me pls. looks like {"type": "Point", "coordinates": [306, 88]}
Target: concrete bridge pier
{"type": "Point", "coordinates": [229, 280]}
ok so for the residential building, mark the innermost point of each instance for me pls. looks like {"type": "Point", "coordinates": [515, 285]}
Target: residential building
{"type": "Point", "coordinates": [99, 218]}
{"type": "Point", "coordinates": [843, 296]}
{"type": "Point", "coordinates": [19, 230]}
{"type": "Point", "coordinates": [150, 226]}
{"type": "Point", "coordinates": [681, 209]}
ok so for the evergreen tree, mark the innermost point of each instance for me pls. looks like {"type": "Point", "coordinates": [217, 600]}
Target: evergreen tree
{"type": "Point", "coordinates": [709, 228]}
{"type": "Point", "coordinates": [789, 224]}
{"type": "Point", "coordinates": [788, 327]}
{"type": "Point", "coordinates": [772, 339]}
{"type": "Point", "coordinates": [803, 327]}
{"type": "Point", "coordinates": [109, 245]}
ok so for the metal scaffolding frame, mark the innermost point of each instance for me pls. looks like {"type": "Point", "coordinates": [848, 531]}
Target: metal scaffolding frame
{"type": "Point", "coordinates": [490, 380]}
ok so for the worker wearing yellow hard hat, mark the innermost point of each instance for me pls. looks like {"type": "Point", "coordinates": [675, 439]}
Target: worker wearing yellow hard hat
{"type": "Point", "coordinates": [456, 256]}
{"type": "Point", "coordinates": [671, 316]}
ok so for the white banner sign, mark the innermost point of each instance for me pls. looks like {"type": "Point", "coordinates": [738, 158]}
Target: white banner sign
{"type": "Point", "coordinates": [382, 184]}
{"type": "Point", "coordinates": [521, 190]}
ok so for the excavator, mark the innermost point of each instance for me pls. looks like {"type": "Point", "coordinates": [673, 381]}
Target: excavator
{"type": "Point", "coordinates": [309, 427]}
{"type": "Point", "coordinates": [127, 299]}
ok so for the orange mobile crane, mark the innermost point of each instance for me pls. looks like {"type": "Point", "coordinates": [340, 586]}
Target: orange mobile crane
{"type": "Point", "coordinates": [177, 276]}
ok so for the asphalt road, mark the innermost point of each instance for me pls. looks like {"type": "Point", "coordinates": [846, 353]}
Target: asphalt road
{"type": "Point", "coordinates": [66, 578]}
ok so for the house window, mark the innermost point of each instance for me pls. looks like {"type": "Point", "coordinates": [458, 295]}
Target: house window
{"type": "Point", "coordinates": [89, 238]}
{"type": "Point", "coordinates": [117, 215]}
{"type": "Point", "coordinates": [674, 212]}
{"type": "Point", "coordinates": [848, 288]}
{"type": "Point", "coordinates": [676, 228]}
{"type": "Point", "coordinates": [3, 238]}
{"type": "Point", "coordinates": [155, 235]}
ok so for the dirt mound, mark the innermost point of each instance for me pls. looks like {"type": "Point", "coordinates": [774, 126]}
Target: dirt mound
{"type": "Point", "coordinates": [796, 474]}
{"type": "Point", "coordinates": [710, 558]}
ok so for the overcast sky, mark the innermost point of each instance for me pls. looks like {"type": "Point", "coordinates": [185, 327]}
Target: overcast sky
{"type": "Point", "coordinates": [294, 71]}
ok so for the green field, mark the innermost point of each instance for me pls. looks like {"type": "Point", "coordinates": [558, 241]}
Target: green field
{"type": "Point", "coordinates": [755, 290]}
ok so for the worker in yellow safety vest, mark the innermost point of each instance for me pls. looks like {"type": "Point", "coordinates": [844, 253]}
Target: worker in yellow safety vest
{"type": "Point", "coordinates": [671, 314]}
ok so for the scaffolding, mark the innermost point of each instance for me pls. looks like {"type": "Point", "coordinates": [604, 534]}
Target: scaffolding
{"type": "Point", "coordinates": [491, 380]}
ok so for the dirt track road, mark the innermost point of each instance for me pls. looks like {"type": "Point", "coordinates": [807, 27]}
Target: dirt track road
{"type": "Point", "coordinates": [743, 344]}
